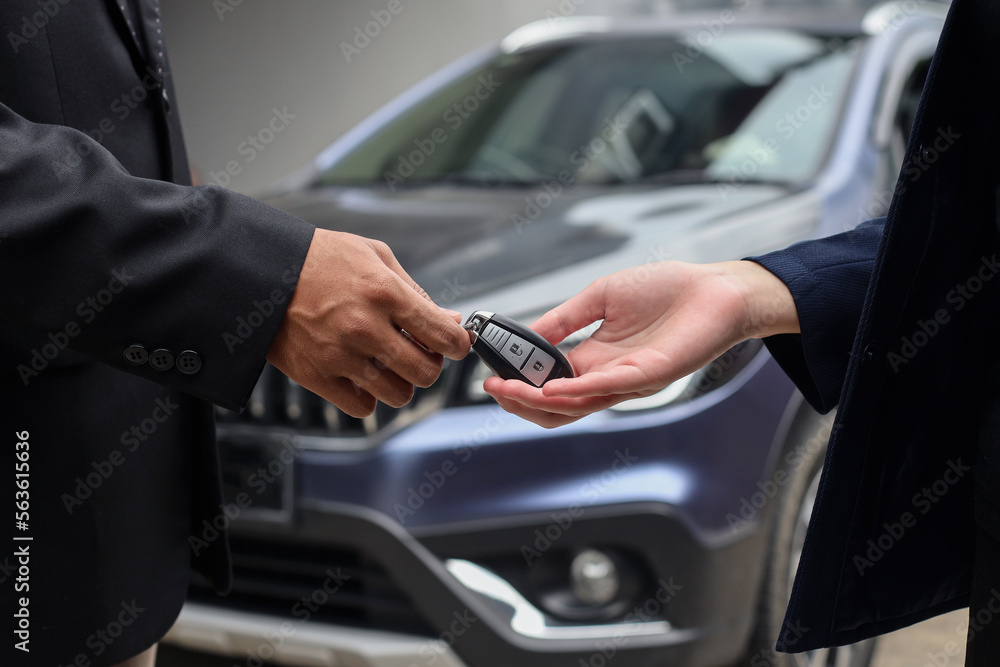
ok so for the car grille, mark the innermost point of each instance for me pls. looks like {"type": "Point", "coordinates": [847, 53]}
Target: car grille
{"type": "Point", "coordinates": [281, 403]}
{"type": "Point", "coordinates": [304, 582]}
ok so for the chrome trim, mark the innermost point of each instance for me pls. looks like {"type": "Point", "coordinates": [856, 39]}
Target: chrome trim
{"type": "Point", "coordinates": [475, 323]}
{"type": "Point", "coordinates": [296, 642]}
{"type": "Point", "coordinates": [547, 30]}
{"type": "Point", "coordinates": [528, 621]}
{"type": "Point", "coordinates": [665, 396]}
{"type": "Point", "coordinates": [280, 406]}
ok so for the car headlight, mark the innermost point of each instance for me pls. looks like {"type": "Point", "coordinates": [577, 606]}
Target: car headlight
{"type": "Point", "coordinates": [699, 383]}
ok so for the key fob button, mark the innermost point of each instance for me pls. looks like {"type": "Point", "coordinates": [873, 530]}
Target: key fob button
{"type": "Point", "coordinates": [537, 367]}
{"type": "Point", "coordinates": [495, 336]}
{"type": "Point", "coordinates": [516, 350]}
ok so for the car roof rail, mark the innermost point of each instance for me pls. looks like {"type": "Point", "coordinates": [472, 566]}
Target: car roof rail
{"type": "Point", "coordinates": [884, 16]}
{"type": "Point", "coordinates": [554, 29]}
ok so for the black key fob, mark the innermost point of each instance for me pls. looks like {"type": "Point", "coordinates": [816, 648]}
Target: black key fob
{"type": "Point", "coordinates": [515, 352]}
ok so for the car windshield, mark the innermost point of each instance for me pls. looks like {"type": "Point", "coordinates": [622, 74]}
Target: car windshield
{"type": "Point", "coordinates": [751, 104]}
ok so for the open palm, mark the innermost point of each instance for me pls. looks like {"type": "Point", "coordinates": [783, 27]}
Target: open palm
{"type": "Point", "coordinates": [660, 323]}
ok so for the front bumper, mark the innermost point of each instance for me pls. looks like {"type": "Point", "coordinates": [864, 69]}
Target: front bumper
{"type": "Point", "coordinates": [702, 621]}
{"type": "Point", "coordinates": [276, 640]}
{"type": "Point", "coordinates": [475, 486]}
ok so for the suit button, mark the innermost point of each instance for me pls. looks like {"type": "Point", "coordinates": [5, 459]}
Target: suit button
{"type": "Point", "coordinates": [166, 101]}
{"type": "Point", "coordinates": [925, 153]}
{"type": "Point", "coordinates": [188, 362]}
{"type": "Point", "coordinates": [136, 354]}
{"type": "Point", "coordinates": [161, 359]}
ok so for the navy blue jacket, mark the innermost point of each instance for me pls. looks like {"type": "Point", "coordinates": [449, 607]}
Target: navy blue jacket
{"type": "Point", "coordinates": [895, 317]}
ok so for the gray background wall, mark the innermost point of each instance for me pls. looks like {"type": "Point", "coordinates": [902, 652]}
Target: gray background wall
{"type": "Point", "coordinates": [233, 68]}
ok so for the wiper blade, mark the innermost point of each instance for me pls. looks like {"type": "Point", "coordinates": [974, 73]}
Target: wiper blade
{"type": "Point", "coordinates": [676, 176]}
{"type": "Point", "coordinates": [472, 180]}
{"type": "Point", "coordinates": [439, 179]}
{"type": "Point", "coordinates": [698, 177]}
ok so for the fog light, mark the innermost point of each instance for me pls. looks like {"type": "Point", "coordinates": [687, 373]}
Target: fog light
{"type": "Point", "coordinates": [594, 577]}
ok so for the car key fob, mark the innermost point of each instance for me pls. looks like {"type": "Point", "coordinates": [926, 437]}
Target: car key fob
{"type": "Point", "coordinates": [515, 352]}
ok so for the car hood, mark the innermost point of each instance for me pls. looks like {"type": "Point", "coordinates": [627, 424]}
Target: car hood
{"type": "Point", "coordinates": [482, 239]}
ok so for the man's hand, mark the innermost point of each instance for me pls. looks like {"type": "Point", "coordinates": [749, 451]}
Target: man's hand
{"type": "Point", "coordinates": [661, 322]}
{"type": "Point", "coordinates": [343, 337]}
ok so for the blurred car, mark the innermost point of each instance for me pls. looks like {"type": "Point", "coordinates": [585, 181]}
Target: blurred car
{"type": "Point", "coordinates": [663, 531]}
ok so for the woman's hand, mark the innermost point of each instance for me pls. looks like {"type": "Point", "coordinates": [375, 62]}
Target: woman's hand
{"type": "Point", "coordinates": [661, 322]}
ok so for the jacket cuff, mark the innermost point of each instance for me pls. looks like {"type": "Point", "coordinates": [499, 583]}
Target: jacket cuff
{"type": "Point", "coordinates": [828, 279]}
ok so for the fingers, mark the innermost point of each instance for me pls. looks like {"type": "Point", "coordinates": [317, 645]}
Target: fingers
{"type": "Point", "coordinates": [358, 328]}
{"type": "Point", "coordinates": [563, 320]}
{"type": "Point", "coordinates": [585, 308]}
{"type": "Point", "coordinates": [629, 375]}
{"type": "Point", "coordinates": [540, 417]}
{"type": "Point", "coordinates": [349, 397]}
{"type": "Point", "coordinates": [435, 328]}
{"type": "Point", "coordinates": [339, 390]}
{"type": "Point", "coordinates": [530, 403]}
{"type": "Point", "coordinates": [407, 359]}
{"type": "Point", "coordinates": [355, 389]}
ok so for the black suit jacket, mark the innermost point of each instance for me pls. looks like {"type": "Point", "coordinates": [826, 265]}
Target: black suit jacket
{"type": "Point", "coordinates": [100, 253]}
{"type": "Point", "coordinates": [896, 317]}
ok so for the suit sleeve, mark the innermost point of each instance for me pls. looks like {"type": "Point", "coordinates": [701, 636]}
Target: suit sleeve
{"type": "Point", "coordinates": [828, 279]}
{"type": "Point", "coordinates": [96, 260]}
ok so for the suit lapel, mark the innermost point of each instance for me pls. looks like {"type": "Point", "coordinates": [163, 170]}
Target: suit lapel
{"type": "Point", "coordinates": [128, 21]}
